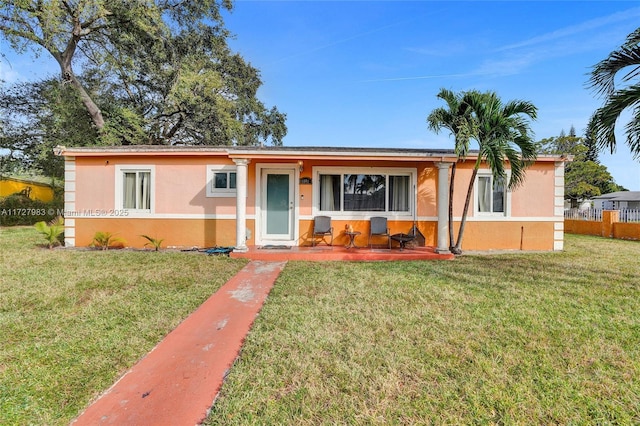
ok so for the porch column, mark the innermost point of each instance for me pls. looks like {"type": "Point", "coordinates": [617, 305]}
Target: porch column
{"type": "Point", "coordinates": [241, 204]}
{"type": "Point", "coordinates": [443, 207]}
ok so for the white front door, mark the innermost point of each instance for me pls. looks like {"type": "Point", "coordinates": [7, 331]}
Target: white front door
{"type": "Point", "coordinates": [277, 206]}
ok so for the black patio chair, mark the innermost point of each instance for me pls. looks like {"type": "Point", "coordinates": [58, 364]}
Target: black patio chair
{"type": "Point", "coordinates": [322, 228]}
{"type": "Point", "coordinates": [378, 228]}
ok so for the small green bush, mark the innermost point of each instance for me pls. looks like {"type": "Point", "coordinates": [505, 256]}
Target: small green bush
{"type": "Point", "coordinates": [104, 240]}
{"type": "Point", "coordinates": [18, 210]}
{"type": "Point", "coordinates": [155, 242]}
{"type": "Point", "coordinates": [52, 231]}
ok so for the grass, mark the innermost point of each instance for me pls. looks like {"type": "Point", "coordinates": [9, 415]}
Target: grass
{"type": "Point", "coordinates": [547, 338]}
{"type": "Point", "coordinates": [73, 321]}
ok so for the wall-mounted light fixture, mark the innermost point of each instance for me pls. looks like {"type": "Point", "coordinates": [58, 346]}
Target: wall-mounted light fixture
{"type": "Point", "coordinates": [301, 165]}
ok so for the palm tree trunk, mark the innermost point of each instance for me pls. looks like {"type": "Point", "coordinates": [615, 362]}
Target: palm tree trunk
{"type": "Point", "coordinates": [456, 249]}
{"type": "Point", "coordinates": [453, 176]}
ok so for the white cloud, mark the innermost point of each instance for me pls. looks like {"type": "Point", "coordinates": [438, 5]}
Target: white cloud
{"type": "Point", "coordinates": [587, 26]}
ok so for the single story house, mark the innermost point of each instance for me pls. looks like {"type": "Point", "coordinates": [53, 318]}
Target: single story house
{"type": "Point", "coordinates": [622, 200]}
{"type": "Point", "coordinates": [243, 196]}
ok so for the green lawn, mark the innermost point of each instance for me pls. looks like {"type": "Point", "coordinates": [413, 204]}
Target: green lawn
{"type": "Point", "coordinates": [525, 339]}
{"type": "Point", "coordinates": [503, 339]}
{"type": "Point", "coordinates": [71, 321]}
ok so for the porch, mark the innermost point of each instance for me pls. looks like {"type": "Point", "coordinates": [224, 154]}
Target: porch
{"type": "Point", "coordinates": [339, 253]}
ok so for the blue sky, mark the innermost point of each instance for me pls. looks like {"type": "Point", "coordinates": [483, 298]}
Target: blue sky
{"type": "Point", "coordinates": [366, 73]}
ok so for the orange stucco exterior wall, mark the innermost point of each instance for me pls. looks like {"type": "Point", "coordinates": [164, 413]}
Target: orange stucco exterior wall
{"type": "Point", "coordinates": [181, 233]}
{"type": "Point", "coordinates": [185, 217]}
{"type": "Point", "coordinates": [511, 235]}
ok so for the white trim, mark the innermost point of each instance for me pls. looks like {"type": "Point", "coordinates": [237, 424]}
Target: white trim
{"type": "Point", "coordinates": [507, 202]}
{"type": "Point", "coordinates": [70, 201]}
{"type": "Point", "coordinates": [102, 214]}
{"type": "Point", "coordinates": [120, 169]}
{"type": "Point", "coordinates": [219, 192]}
{"type": "Point", "coordinates": [412, 172]}
{"type": "Point", "coordinates": [258, 202]}
{"type": "Point", "coordinates": [119, 214]}
{"type": "Point", "coordinates": [500, 218]}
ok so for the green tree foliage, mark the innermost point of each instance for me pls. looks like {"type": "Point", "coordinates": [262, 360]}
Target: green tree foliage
{"type": "Point", "coordinates": [622, 66]}
{"type": "Point", "coordinates": [37, 117]}
{"type": "Point", "coordinates": [152, 73]}
{"type": "Point", "coordinates": [584, 177]}
{"type": "Point", "coordinates": [502, 132]}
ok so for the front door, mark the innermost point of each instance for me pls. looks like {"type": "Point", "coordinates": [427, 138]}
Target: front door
{"type": "Point", "coordinates": [278, 209]}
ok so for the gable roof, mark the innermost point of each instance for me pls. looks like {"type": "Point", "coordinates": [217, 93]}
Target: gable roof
{"type": "Point", "coordinates": [620, 196]}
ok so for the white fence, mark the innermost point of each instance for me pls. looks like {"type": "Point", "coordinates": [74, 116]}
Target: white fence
{"type": "Point", "coordinates": [596, 215]}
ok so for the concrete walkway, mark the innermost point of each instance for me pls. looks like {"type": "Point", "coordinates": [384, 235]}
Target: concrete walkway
{"type": "Point", "coordinates": [178, 381]}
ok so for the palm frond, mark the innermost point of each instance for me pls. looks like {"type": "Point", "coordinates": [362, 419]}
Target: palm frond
{"type": "Point", "coordinates": [633, 133]}
{"type": "Point", "coordinates": [603, 74]}
{"type": "Point", "coordinates": [603, 122]}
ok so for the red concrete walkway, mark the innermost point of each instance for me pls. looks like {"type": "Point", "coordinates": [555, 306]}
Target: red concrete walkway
{"type": "Point", "coordinates": [178, 381]}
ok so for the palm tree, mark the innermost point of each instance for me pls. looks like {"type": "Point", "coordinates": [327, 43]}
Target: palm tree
{"type": "Point", "coordinates": [602, 79]}
{"type": "Point", "coordinates": [458, 120]}
{"type": "Point", "coordinates": [503, 134]}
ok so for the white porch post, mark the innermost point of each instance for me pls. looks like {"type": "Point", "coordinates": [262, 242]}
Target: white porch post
{"type": "Point", "coordinates": [443, 207]}
{"type": "Point", "coordinates": [241, 203]}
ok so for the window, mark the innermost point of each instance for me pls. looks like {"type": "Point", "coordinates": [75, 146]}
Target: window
{"type": "Point", "coordinates": [492, 194]}
{"type": "Point", "coordinates": [134, 188]}
{"type": "Point", "coordinates": [221, 181]}
{"type": "Point", "coordinates": [373, 191]}
{"type": "Point", "coordinates": [224, 180]}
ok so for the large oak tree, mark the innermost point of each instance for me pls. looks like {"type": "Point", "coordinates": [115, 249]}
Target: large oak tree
{"type": "Point", "coordinates": [151, 72]}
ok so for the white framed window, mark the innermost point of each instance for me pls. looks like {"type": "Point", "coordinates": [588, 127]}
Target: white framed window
{"type": "Point", "coordinates": [492, 197]}
{"type": "Point", "coordinates": [221, 181]}
{"type": "Point", "coordinates": [135, 188]}
{"type": "Point", "coordinates": [364, 190]}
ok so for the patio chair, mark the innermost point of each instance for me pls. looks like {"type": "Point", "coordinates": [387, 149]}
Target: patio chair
{"type": "Point", "coordinates": [378, 228]}
{"type": "Point", "coordinates": [322, 228]}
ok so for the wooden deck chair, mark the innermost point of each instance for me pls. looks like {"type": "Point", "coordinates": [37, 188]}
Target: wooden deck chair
{"type": "Point", "coordinates": [322, 228]}
{"type": "Point", "coordinates": [378, 228]}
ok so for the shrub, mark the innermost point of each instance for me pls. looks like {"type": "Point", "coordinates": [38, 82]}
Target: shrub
{"type": "Point", "coordinates": [18, 209]}
{"type": "Point", "coordinates": [155, 242]}
{"type": "Point", "coordinates": [52, 231]}
{"type": "Point", "coordinates": [104, 240]}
